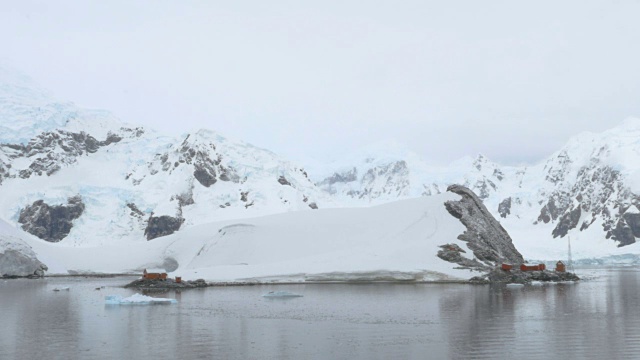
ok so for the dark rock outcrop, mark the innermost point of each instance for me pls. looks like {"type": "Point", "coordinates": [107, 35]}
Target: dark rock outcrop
{"type": "Point", "coordinates": [51, 223]}
{"type": "Point", "coordinates": [283, 181]}
{"type": "Point", "coordinates": [162, 226]}
{"type": "Point", "coordinates": [453, 253]}
{"type": "Point", "coordinates": [567, 222]}
{"type": "Point", "coordinates": [504, 208]}
{"type": "Point", "coordinates": [205, 174]}
{"type": "Point", "coordinates": [623, 233]}
{"type": "Point", "coordinates": [485, 237]}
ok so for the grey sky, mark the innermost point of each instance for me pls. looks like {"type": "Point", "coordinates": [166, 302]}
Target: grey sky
{"type": "Point", "coordinates": [509, 79]}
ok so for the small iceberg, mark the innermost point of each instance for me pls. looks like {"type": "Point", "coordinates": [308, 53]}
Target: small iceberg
{"type": "Point", "coordinates": [280, 294]}
{"type": "Point", "coordinates": [514, 285]}
{"type": "Point", "coordinates": [62, 289]}
{"type": "Point", "coordinates": [536, 283]}
{"type": "Point", "coordinates": [137, 299]}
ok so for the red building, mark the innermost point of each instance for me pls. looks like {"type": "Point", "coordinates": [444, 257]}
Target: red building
{"type": "Point", "coordinates": [539, 267]}
{"type": "Point", "coordinates": [154, 274]}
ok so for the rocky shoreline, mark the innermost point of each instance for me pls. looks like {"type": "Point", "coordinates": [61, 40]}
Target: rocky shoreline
{"type": "Point", "coordinates": [523, 277]}
{"type": "Point", "coordinates": [168, 284]}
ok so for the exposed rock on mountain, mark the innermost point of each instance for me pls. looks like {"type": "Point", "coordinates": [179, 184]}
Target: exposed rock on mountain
{"type": "Point", "coordinates": [17, 259]}
{"type": "Point", "coordinates": [378, 181]}
{"type": "Point", "coordinates": [206, 163]}
{"type": "Point", "coordinates": [51, 223]}
{"type": "Point", "coordinates": [162, 226]}
{"type": "Point", "coordinates": [50, 151]}
{"type": "Point", "coordinates": [283, 181]}
{"type": "Point", "coordinates": [489, 241]}
{"type": "Point", "coordinates": [504, 208]}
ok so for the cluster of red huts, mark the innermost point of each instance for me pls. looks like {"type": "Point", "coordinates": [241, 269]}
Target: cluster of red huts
{"type": "Point", "coordinates": [560, 267]}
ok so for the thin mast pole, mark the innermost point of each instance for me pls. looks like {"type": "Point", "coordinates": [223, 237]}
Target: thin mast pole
{"type": "Point", "coordinates": [569, 260]}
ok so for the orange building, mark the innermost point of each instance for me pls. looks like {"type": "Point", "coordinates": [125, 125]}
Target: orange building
{"type": "Point", "coordinates": [154, 274]}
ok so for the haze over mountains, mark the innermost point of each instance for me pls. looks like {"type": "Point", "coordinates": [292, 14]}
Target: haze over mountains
{"type": "Point", "coordinates": [83, 178]}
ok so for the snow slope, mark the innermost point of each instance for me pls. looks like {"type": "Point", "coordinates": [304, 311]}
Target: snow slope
{"type": "Point", "coordinates": [396, 241]}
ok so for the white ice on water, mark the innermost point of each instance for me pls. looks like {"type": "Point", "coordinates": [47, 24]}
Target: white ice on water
{"type": "Point", "coordinates": [137, 299]}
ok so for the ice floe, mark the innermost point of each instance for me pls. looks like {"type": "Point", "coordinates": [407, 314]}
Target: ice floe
{"type": "Point", "coordinates": [137, 299]}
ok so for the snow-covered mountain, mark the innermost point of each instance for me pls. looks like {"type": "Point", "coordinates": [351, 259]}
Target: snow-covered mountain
{"type": "Point", "coordinates": [82, 177]}
{"type": "Point", "coordinates": [588, 189]}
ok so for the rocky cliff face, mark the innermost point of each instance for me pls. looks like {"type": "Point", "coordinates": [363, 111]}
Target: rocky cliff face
{"type": "Point", "coordinates": [486, 238]}
{"type": "Point", "coordinates": [51, 223]}
{"type": "Point", "coordinates": [17, 259]}
{"type": "Point", "coordinates": [596, 196]}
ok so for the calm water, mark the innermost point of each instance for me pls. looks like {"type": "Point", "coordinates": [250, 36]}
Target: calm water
{"type": "Point", "coordinates": [598, 318]}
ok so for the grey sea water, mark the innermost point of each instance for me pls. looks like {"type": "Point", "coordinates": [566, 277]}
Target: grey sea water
{"type": "Point", "coordinates": [595, 319]}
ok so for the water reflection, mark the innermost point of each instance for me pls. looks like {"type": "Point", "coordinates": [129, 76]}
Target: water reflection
{"type": "Point", "coordinates": [594, 319]}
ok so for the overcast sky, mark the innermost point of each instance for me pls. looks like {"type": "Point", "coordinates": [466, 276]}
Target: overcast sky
{"type": "Point", "coordinates": [510, 79]}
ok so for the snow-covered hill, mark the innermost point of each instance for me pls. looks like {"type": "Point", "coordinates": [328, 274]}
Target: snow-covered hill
{"type": "Point", "coordinates": [402, 241]}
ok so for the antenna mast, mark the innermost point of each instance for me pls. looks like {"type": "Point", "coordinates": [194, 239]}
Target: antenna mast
{"type": "Point", "coordinates": [569, 260]}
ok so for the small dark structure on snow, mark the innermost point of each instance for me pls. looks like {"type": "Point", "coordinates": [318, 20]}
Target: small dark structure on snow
{"type": "Point", "coordinates": [561, 267]}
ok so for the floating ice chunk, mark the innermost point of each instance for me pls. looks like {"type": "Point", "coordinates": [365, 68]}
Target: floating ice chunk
{"type": "Point", "coordinates": [61, 289]}
{"type": "Point", "coordinates": [514, 285]}
{"type": "Point", "coordinates": [537, 283]}
{"type": "Point", "coordinates": [280, 294]}
{"type": "Point", "coordinates": [137, 299]}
